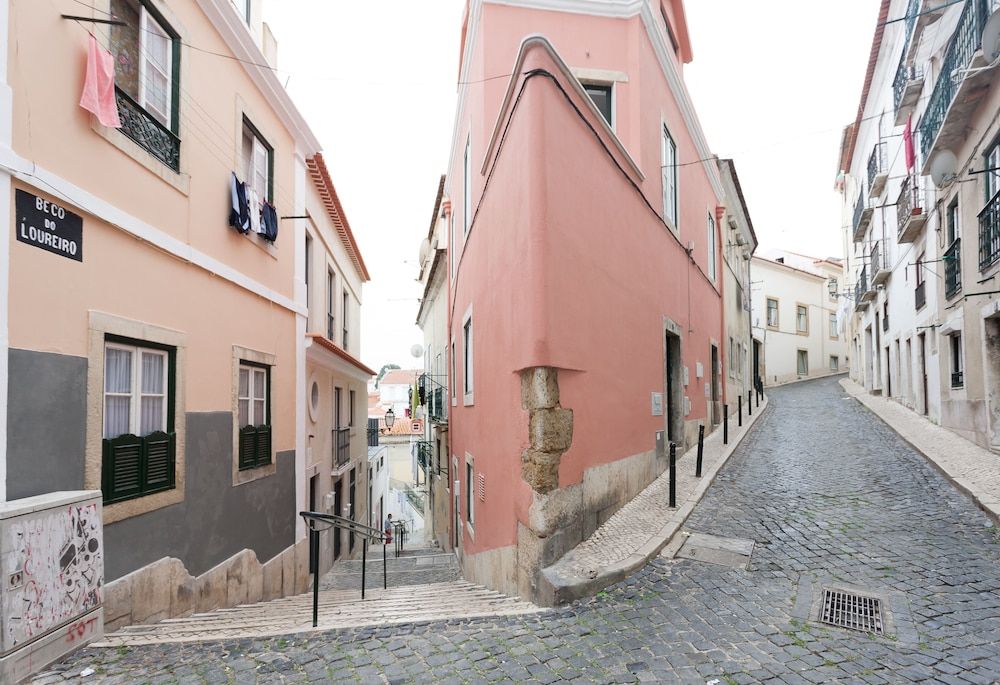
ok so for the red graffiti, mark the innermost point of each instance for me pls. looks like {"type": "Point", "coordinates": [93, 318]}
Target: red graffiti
{"type": "Point", "coordinates": [76, 631]}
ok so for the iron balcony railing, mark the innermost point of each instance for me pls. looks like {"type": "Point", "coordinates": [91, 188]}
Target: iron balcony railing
{"type": "Point", "coordinates": [953, 269]}
{"type": "Point", "coordinates": [438, 410]}
{"type": "Point", "coordinates": [859, 208]}
{"type": "Point", "coordinates": [920, 295]}
{"type": "Point", "coordinates": [906, 73]}
{"type": "Point", "coordinates": [341, 446]}
{"type": "Point", "coordinates": [876, 255]}
{"type": "Point", "coordinates": [373, 432]}
{"type": "Point", "coordinates": [966, 40]}
{"type": "Point", "coordinates": [989, 232]}
{"type": "Point", "coordinates": [147, 132]}
{"type": "Point", "coordinates": [861, 287]}
{"type": "Point", "coordinates": [957, 379]}
{"type": "Point", "coordinates": [908, 203]}
{"type": "Point", "coordinates": [876, 163]}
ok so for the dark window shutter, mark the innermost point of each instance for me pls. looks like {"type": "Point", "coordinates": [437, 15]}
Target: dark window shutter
{"type": "Point", "coordinates": [158, 450]}
{"type": "Point", "coordinates": [122, 472]}
{"type": "Point", "coordinates": [248, 447]}
{"type": "Point", "coordinates": [263, 453]}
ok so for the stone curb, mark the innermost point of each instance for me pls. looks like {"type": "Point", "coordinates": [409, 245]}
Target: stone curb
{"type": "Point", "coordinates": [991, 507]}
{"type": "Point", "coordinates": [566, 589]}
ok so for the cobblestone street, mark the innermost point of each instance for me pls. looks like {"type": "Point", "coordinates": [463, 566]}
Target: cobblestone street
{"type": "Point", "coordinates": [829, 494]}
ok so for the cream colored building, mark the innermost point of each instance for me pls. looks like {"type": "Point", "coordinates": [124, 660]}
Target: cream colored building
{"type": "Point", "coordinates": [151, 350]}
{"type": "Point", "coordinates": [795, 316]}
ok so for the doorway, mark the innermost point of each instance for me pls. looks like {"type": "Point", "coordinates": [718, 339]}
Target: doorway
{"type": "Point", "coordinates": [756, 363]}
{"type": "Point", "coordinates": [313, 492]}
{"type": "Point", "coordinates": [715, 385]}
{"type": "Point", "coordinates": [922, 352]}
{"type": "Point", "coordinates": [673, 397]}
{"type": "Point", "coordinates": [338, 502]}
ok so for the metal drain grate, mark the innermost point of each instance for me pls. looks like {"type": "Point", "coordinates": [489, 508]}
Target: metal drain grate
{"type": "Point", "coordinates": [855, 612]}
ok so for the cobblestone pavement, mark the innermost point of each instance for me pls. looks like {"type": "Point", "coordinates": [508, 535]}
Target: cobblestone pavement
{"type": "Point", "coordinates": [829, 494]}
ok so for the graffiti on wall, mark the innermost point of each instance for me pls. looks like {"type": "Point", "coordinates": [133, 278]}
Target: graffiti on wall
{"type": "Point", "coordinates": [53, 568]}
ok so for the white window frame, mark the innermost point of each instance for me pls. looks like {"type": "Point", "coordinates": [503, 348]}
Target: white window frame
{"type": "Point", "coordinates": [957, 362]}
{"type": "Point", "coordinates": [454, 374]}
{"type": "Point", "coordinates": [834, 363]}
{"type": "Point", "coordinates": [713, 258]}
{"type": "Point", "coordinates": [135, 392]}
{"type": "Point", "coordinates": [467, 186]}
{"type": "Point", "coordinates": [610, 85]}
{"type": "Point", "coordinates": [256, 375]}
{"type": "Point", "coordinates": [767, 312]}
{"type": "Point", "coordinates": [468, 358]}
{"type": "Point", "coordinates": [260, 154]}
{"type": "Point", "coordinates": [834, 333]}
{"type": "Point", "coordinates": [148, 25]}
{"type": "Point", "coordinates": [668, 175]}
{"type": "Point", "coordinates": [802, 317]}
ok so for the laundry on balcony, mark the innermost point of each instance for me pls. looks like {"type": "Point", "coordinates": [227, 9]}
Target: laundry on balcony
{"type": "Point", "coordinates": [239, 209]}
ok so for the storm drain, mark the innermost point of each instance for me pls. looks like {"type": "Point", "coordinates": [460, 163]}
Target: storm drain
{"type": "Point", "coordinates": [855, 612]}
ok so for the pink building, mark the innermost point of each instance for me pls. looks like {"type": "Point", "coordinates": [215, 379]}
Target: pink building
{"type": "Point", "coordinates": [585, 277]}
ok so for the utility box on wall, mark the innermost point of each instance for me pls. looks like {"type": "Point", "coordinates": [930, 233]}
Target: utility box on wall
{"type": "Point", "coordinates": [52, 566]}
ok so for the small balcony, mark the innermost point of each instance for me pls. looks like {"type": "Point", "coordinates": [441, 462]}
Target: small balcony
{"type": "Point", "coordinates": [885, 323]}
{"type": "Point", "coordinates": [910, 213]}
{"type": "Point", "coordinates": [861, 298]}
{"type": "Point", "coordinates": [878, 171]}
{"type": "Point", "coordinates": [920, 295]}
{"type": "Point", "coordinates": [880, 266]}
{"type": "Point", "coordinates": [862, 218]}
{"type": "Point", "coordinates": [989, 233]}
{"type": "Point", "coordinates": [957, 379]}
{"type": "Point", "coordinates": [953, 269]}
{"type": "Point", "coordinates": [341, 447]}
{"type": "Point", "coordinates": [147, 132]}
{"type": "Point", "coordinates": [956, 94]}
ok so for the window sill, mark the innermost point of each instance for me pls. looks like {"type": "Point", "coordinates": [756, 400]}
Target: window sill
{"type": "Point", "coordinates": [180, 181]}
{"type": "Point", "coordinates": [255, 239]}
{"type": "Point", "coordinates": [120, 511]}
{"type": "Point", "coordinates": [468, 400]}
{"type": "Point", "coordinates": [242, 477]}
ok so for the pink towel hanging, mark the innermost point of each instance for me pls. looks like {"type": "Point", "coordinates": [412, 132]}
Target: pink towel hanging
{"type": "Point", "coordinates": [99, 86]}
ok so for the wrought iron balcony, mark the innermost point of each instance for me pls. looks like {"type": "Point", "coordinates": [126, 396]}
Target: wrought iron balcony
{"type": "Point", "coordinates": [861, 289]}
{"type": "Point", "coordinates": [147, 132]}
{"type": "Point", "coordinates": [910, 213]}
{"type": "Point", "coordinates": [885, 322]}
{"type": "Point", "coordinates": [953, 269]}
{"type": "Point", "coordinates": [957, 379]}
{"type": "Point", "coordinates": [438, 410]}
{"type": "Point", "coordinates": [920, 295]}
{"type": "Point", "coordinates": [878, 172]}
{"type": "Point", "coordinates": [989, 233]}
{"type": "Point", "coordinates": [341, 446]}
{"type": "Point", "coordinates": [862, 218]}
{"type": "Point", "coordinates": [965, 43]}
{"type": "Point", "coordinates": [880, 264]}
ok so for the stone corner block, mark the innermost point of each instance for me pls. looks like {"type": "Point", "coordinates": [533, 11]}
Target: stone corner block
{"type": "Point", "coordinates": [551, 430]}
{"type": "Point", "coordinates": [539, 388]}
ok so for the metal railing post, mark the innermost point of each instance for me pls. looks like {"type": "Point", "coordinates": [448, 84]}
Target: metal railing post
{"type": "Point", "coordinates": [385, 568]}
{"type": "Point", "coordinates": [739, 412]}
{"type": "Point", "coordinates": [701, 449]}
{"type": "Point", "coordinates": [314, 568]}
{"type": "Point", "coordinates": [673, 475]}
{"type": "Point", "coordinates": [725, 425]}
{"type": "Point", "coordinates": [364, 559]}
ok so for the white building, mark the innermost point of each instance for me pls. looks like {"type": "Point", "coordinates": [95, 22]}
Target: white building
{"type": "Point", "coordinates": [795, 316]}
{"type": "Point", "coordinates": [394, 390]}
{"type": "Point", "coordinates": [924, 302]}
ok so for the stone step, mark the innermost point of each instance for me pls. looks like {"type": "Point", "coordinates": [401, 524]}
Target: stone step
{"type": "Point", "coordinates": [393, 563]}
{"type": "Point", "coordinates": [337, 609]}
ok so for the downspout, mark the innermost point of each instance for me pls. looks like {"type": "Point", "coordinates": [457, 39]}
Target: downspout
{"type": "Point", "coordinates": [6, 142]}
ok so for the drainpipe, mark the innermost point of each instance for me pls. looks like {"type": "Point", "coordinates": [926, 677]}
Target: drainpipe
{"type": "Point", "coordinates": [6, 114]}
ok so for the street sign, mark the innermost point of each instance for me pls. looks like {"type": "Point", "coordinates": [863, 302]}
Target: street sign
{"type": "Point", "coordinates": [47, 225]}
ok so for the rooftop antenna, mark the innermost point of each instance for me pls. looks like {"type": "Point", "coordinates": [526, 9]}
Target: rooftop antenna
{"type": "Point", "coordinates": [944, 169]}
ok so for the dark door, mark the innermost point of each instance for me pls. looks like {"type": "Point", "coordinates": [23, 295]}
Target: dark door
{"type": "Point", "coordinates": [888, 375]}
{"type": "Point", "coordinates": [351, 502]}
{"type": "Point", "coordinates": [715, 385]}
{"type": "Point", "coordinates": [923, 370]}
{"type": "Point", "coordinates": [338, 503]}
{"type": "Point", "coordinates": [313, 492]}
{"type": "Point", "coordinates": [756, 362]}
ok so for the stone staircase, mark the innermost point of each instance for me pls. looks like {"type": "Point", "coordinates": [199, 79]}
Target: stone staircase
{"type": "Point", "coordinates": [412, 567]}
{"type": "Point", "coordinates": [432, 593]}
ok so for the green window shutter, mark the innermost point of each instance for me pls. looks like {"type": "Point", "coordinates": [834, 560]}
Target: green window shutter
{"type": "Point", "coordinates": [158, 458]}
{"type": "Point", "coordinates": [263, 454]}
{"type": "Point", "coordinates": [248, 447]}
{"type": "Point", "coordinates": [122, 467]}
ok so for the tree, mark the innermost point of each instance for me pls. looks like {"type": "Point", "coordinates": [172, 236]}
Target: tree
{"type": "Point", "coordinates": [385, 368]}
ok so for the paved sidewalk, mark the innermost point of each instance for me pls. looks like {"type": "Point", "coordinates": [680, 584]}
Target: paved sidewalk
{"type": "Point", "coordinates": [971, 468]}
{"type": "Point", "coordinates": [641, 528]}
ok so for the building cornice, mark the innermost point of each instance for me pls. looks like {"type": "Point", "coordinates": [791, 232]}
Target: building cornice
{"type": "Point", "coordinates": [320, 348]}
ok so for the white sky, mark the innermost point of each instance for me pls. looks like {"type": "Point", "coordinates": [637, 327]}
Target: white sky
{"type": "Point", "coordinates": [376, 81]}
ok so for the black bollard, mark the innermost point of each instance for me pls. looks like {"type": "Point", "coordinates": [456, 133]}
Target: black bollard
{"type": "Point", "coordinates": [673, 475]}
{"type": "Point", "coordinates": [749, 403]}
{"type": "Point", "coordinates": [314, 569]}
{"type": "Point", "coordinates": [701, 449]}
{"type": "Point", "coordinates": [725, 425]}
{"type": "Point", "coordinates": [385, 572]}
{"type": "Point", "coordinates": [739, 412]}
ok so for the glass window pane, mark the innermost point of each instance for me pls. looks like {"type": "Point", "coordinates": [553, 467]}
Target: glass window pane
{"type": "Point", "coordinates": [157, 47]}
{"type": "Point", "coordinates": [244, 409]}
{"type": "Point", "coordinates": [156, 95]}
{"type": "Point", "coordinates": [117, 370]}
{"type": "Point", "coordinates": [258, 413]}
{"type": "Point", "coordinates": [152, 373]}
{"type": "Point", "coordinates": [151, 415]}
{"type": "Point", "coordinates": [116, 415]}
{"type": "Point", "coordinates": [244, 382]}
{"type": "Point", "coordinates": [259, 384]}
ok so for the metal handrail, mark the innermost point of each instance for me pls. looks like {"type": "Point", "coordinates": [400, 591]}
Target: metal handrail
{"type": "Point", "coordinates": [319, 522]}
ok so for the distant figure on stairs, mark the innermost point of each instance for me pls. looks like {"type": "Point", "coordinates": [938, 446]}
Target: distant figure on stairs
{"type": "Point", "coordinates": [388, 529]}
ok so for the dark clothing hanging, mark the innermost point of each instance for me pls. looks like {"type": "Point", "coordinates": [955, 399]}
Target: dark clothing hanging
{"type": "Point", "coordinates": [239, 210]}
{"type": "Point", "coordinates": [269, 221]}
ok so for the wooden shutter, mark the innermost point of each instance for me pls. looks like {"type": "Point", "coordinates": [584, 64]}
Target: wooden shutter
{"type": "Point", "coordinates": [248, 447]}
{"type": "Point", "coordinates": [263, 451]}
{"type": "Point", "coordinates": [158, 455]}
{"type": "Point", "coordinates": [122, 469]}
